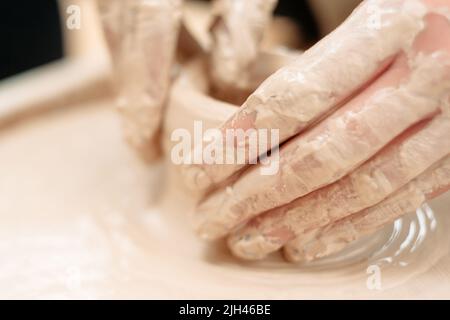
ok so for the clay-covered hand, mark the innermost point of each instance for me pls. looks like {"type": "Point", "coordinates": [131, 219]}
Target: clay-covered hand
{"type": "Point", "coordinates": [237, 32]}
{"type": "Point", "coordinates": [364, 127]}
{"type": "Point", "coordinates": [142, 37]}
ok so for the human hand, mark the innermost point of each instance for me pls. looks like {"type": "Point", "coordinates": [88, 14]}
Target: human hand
{"type": "Point", "coordinates": [237, 31]}
{"type": "Point", "coordinates": [367, 115]}
{"type": "Point", "coordinates": [142, 38]}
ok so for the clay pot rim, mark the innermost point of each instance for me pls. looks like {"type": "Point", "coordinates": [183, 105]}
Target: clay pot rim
{"type": "Point", "coordinates": [192, 83]}
{"type": "Point", "coordinates": [189, 98]}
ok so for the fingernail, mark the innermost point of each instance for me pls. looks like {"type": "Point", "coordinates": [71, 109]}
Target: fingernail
{"type": "Point", "coordinates": [293, 254]}
{"type": "Point", "coordinates": [210, 231]}
{"type": "Point", "coordinates": [306, 253]}
{"type": "Point", "coordinates": [251, 245]}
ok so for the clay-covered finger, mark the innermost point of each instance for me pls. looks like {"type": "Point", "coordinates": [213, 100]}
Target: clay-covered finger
{"type": "Point", "coordinates": [323, 78]}
{"type": "Point", "coordinates": [336, 236]}
{"type": "Point", "coordinates": [355, 192]}
{"type": "Point", "coordinates": [142, 36]}
{"type": "Point", "coordinates": [111, 16]}
{"type": "Point", "coordinates": [404, 159]}
{"type": "Point", "coordinates": [407, 93]}
{"type": "Point", "coordinates": [367, 185]}
{"type": "Point", "coordinates": [237, 31]}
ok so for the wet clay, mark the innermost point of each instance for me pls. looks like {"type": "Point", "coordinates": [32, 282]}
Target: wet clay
{"type": "Point", "coordinates": [69, 229]}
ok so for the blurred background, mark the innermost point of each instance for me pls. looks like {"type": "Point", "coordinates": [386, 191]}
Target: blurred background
{"type": "Point", "coordinates": [31, 32]}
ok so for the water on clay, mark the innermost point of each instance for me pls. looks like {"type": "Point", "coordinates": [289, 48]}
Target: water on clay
{"type": "Point", "coordinates": [408, 247]}
{"type": "Point", "coordinates": [82, 217]}
{"type": "Point", "coordinates": [411, 244]}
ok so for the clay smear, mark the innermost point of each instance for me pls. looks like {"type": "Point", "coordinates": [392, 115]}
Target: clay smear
{"type": "Point", "coordinates": [142, 37]}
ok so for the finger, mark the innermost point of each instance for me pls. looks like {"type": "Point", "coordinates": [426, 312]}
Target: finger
{"type": "Point", "coordinates": [111, 14]}
{"type": "Point", "coordinates": [143, 51]}
{"type": "Point", "coordinates": [322, 79]}
{"type": "Point", "coordinates": [404, 95]}
{"type": "Point", "coordinates": [336, 236]}
{"type": "Point", "coordinates": [363, 188]}
{"type": "Point", "coordinates": [403, 160]}
{"type": "Point", "coordinates": [237, 32]}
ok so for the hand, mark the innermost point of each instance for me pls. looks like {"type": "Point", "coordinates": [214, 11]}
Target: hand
{"type": "Point", "coordinates": [367, 115]}
{"type": "Point", "coordinates": [237, 32]}
{"type": "Point", "coordinates": [142, 38]}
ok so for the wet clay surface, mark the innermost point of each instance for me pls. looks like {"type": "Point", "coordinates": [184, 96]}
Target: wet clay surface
{"type": "Point", "coordinates": [82, 217]}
